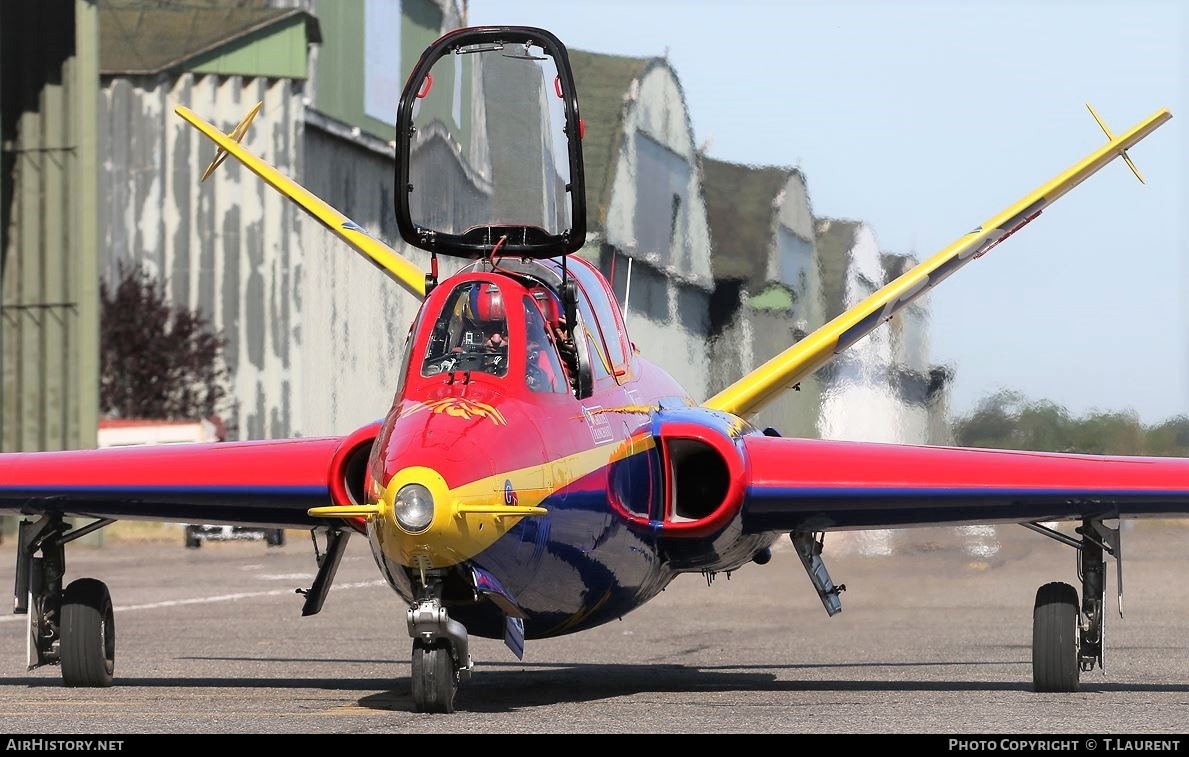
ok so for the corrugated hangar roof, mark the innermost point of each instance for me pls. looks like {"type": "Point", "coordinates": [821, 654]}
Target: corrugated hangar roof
{"type": "Point", "coordinates": [602, 82]}
{"type": "Point", "coordinates": [147, 36]}
{"type": "Point", "coordinates": [739, 208]}
{"type": "Point", "coordinates": [835, 239]}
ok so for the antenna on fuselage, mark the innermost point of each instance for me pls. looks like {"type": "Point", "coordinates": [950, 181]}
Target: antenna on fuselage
{"type": "Point", "coordinates": [627, 292]}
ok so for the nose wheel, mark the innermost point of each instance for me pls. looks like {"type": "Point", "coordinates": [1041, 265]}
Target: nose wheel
{"type": "Point", "coordinates": [435, 677]}
{"type": "Point", "coordinates": [441, 659]}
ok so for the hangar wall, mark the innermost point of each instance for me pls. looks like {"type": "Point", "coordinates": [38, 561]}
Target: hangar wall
{"type": "Point", "coordinates": [49, 365]}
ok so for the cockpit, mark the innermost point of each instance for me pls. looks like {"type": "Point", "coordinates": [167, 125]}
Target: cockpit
{"type": "Point", "coordinates": [515, 322]}
{"type": "Point", "coordinates": [471, 332]}
{"type": "Point", "coordinates": [499, 327]}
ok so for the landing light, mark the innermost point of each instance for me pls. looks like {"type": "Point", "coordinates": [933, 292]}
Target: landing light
{"type": "Point", "coordinates": [413, 508]}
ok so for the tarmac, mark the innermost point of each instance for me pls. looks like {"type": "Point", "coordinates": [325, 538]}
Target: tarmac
{"type": "Point", "coordinates": [934, 638]}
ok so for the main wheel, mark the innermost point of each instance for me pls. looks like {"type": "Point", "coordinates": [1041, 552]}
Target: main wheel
{"type": "Point", "coordinates": [1055, 639]}
{"type": "Point", "coordinates": [435, 678]}
{"type": "Point", "coordinates": [275, 537]}
{"type": "Point", "coordinates": [87, 650]}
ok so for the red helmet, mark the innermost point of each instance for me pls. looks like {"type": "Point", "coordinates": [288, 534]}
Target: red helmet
{"type": "Point", "coordinates": [485, 303]}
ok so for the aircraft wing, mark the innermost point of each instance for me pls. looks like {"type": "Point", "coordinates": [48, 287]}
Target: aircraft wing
{"type": "Point", "coordinates": [384, 257]}
{"type": "Point", "coordinates": [820, 485]}
{"type": "Point", "coordinates": [261, 483]}
{"type": "Point", "coordinates": [747, 395]}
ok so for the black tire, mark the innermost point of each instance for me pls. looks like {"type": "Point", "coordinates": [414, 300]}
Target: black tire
{"type": "Point", "coordinates": [435, 678]}
{"type": "Point", "coordinates": [275, 537]}
{"type": "Point", "coordinates": [192, 540]}
{"type": "Point", "coordinates": [87, 650]}
{"type": "Point", "coordinates": [1055, 664]}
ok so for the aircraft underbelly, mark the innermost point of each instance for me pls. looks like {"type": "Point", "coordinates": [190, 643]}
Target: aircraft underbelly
{"type": "Point", "coordinates": [577, 568]}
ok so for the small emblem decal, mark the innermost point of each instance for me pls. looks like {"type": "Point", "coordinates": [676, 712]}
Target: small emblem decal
{"type": "Point", "coordinates": [600, 429]}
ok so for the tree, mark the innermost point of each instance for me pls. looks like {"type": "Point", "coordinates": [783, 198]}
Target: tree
{"type": "Point", "coordinates": [1008, 420]}
{"type": "Point", "coordinates": [1170, 438]}
{"type": "Point", "coordinates": [156, 360]}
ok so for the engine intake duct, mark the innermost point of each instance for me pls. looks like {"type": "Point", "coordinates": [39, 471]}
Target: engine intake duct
{"type": "Point", "coordinates": [702, 471]}
{"type": "Point", "coordinates": [700, 478]}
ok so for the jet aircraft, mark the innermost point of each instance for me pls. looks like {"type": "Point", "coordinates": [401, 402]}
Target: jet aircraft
{"type": "Point", "coordinates": [536, 475]}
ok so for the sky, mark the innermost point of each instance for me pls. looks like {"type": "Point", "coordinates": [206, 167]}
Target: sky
{"type": "Point", "coordinates": [925, 119]}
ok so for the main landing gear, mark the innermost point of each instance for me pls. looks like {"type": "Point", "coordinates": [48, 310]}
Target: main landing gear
{"type": "Point", "coordinates": [72, 627]}
{"type": "Point", "coordinates": [441, 658]}
{"type": "Point", "coordinates": [1069, 637]}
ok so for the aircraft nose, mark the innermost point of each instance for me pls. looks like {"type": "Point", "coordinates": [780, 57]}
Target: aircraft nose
{"type": "Point", "coordinates": [464, 454]}
{"type": "Point", "coordinates": [426, 524]}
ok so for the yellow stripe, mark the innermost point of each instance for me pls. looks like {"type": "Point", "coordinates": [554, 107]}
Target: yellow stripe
{"type": "Point", "coordinates": [397, 267]}
{"type": "Point", "coordinates": [499, 511]}
{"type": "Point", "coordinates": [748, 395]}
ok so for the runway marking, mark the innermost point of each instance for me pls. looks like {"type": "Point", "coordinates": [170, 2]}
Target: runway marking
{"type": "Point", "coordinates": [348, 709]}
{"type": "Point", "coordinates": [218, 598]}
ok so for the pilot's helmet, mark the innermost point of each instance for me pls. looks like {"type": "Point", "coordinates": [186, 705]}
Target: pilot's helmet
{"type": "Point", "coordinates": [485, 306]}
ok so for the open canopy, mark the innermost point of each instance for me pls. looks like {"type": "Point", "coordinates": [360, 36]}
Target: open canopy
{"type": "Point", "coordinates": [488, 147]}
